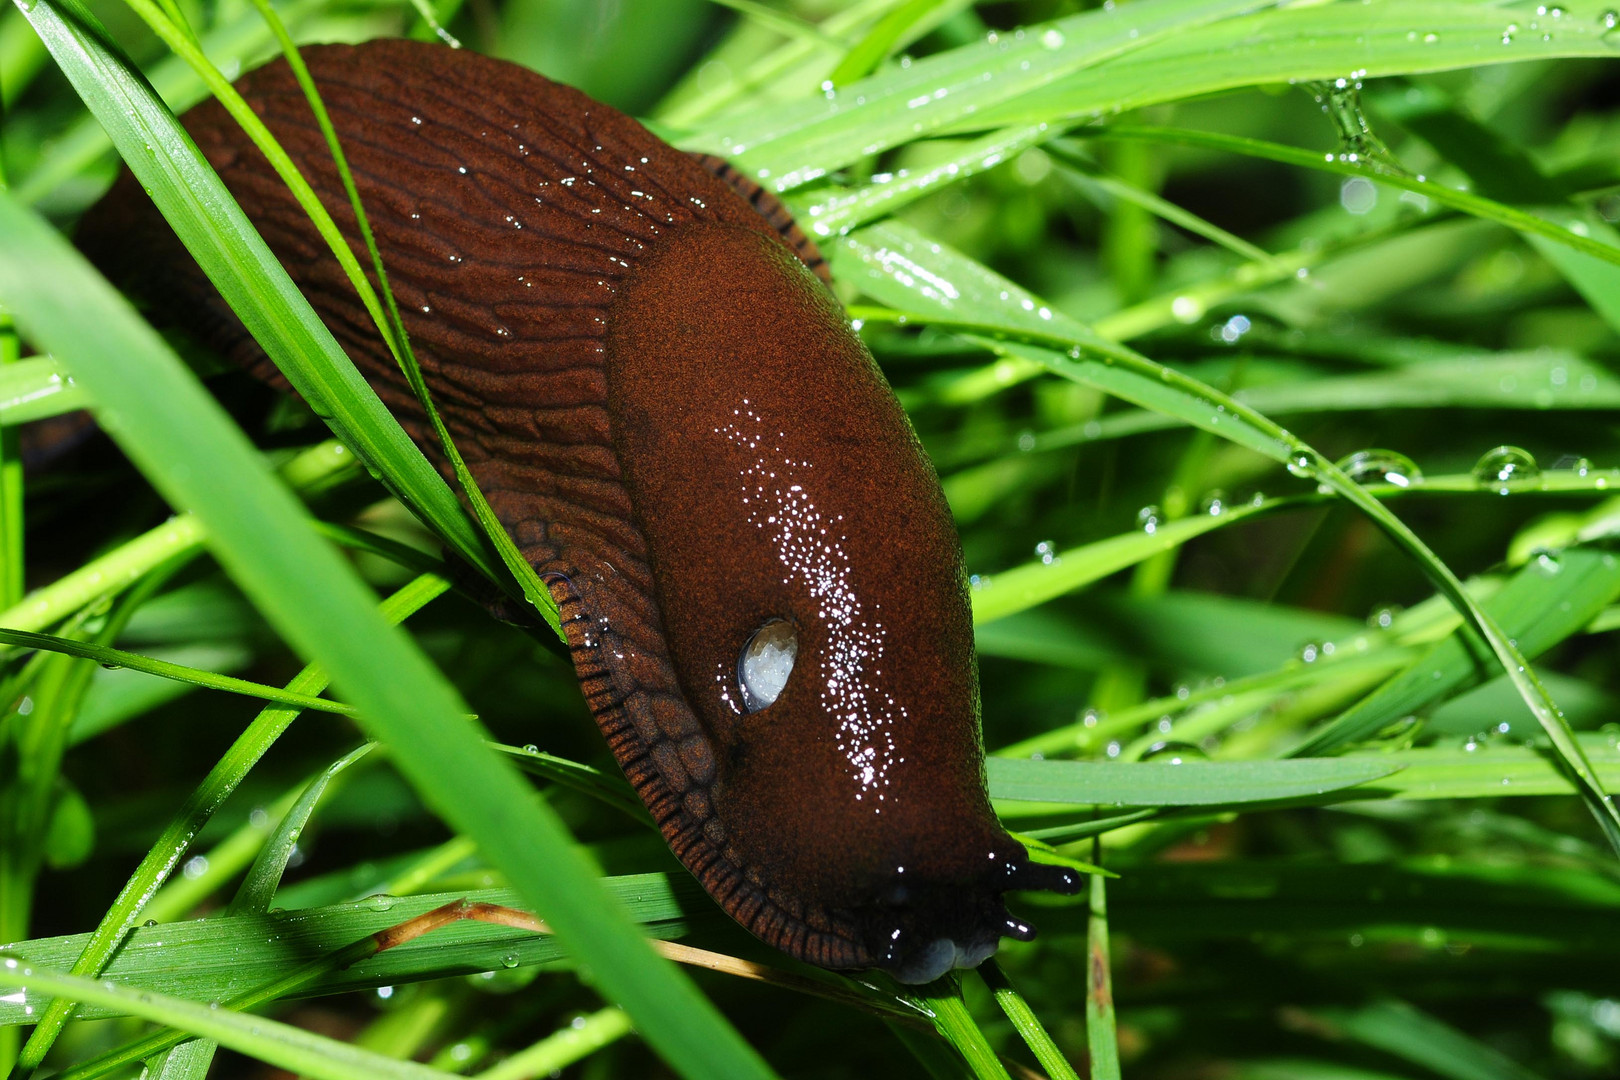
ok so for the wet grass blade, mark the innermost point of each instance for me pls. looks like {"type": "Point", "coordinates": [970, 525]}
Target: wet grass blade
{"type": "Point", "coordinates": [786, 148]}
{"type": "Point", "coordinates": [1191, 783]}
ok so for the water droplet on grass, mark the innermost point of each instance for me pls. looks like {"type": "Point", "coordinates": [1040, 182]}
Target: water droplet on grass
{"type": "Point", "coordinates": [1381, 466]}
{"type": "Point", "coordinates": [1505, 465]}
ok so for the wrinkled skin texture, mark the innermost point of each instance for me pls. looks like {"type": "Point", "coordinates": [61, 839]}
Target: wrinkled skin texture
{"type": "Point", "coordinates": [669, 413]}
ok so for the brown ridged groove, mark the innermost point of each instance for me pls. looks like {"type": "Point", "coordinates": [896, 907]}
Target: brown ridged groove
{"type": "Point", "coordinates": [670, 415]}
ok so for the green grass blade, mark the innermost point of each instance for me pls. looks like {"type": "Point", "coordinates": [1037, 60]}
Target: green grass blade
{"type": "Point", "coordinates": [1397, 1028]}
{"type": "Point", "coordinates": [941, 1001]}
{"type": "Point", "coordinates": [1007, 592]}
{"type": "Point", "coordinates": [1307, 42]}
{"type": "Point", "coordinates": [1191, 783]}
{"type": "Point", "coordinates": [1102, 1041]}
{"type": "Point", "coordinates": [35, 388]}
{"type": "Point", "coordinates": [1028, 1024]}
{"type": "Point", "coordinates": [563, 1048]}
{"type": "Point", "coordinates": [169, 427]}
{"type": "Point", "coordinates": [107, 656]}
{"type": "Point", "coordinates": [1349, 165]}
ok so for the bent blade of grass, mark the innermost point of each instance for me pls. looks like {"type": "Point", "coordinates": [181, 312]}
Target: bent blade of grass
{"type": "Point", "coordinates": [792, 146]}
{"type": "Point", "coordinates": [915, 273]}
{"type": "Point", "coordinates": [1302, 43]}
{"type": "Point", "coordinates": [1397, 1028]}
{"type": "Point", "coordinates": [1191, 783]}
{"type": "Point", "coordinates": [563, 1047]}
{"type": "Point", "coordinates": [185, 445]}
{"type": "Point", "coordinates": [195, 203]}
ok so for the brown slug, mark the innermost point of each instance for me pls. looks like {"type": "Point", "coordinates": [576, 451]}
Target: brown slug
{"type": "Point", "coordinates": [761, 586]}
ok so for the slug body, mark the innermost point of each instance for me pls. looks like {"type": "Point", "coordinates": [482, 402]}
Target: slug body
{"type": "Point", "coordinates": [760, 582]}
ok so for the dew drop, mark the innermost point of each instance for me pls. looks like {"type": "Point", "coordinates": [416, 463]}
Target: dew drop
{"type": "Point", "coordinates": [1147, 519]}
{"type": "Point", "coordinates": [1546, 561]}
{"type": "Point", "coordinates": [1213, 504]}
{"type": "Point", "coordinates": [1381, 466]}
{"type": "Point", "coordinates": [1174, 752]}
{"type": "Point", "coordinates": [510, 960]}
{"type": "Point", "coordinates": [1504, 465]}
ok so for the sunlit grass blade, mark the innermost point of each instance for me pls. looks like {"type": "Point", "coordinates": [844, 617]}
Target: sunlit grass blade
{"type": "Point", "coordinates": [1305, 42]}
{"type": "Point", "coordinates": [258, 532]}
{"type": "Point", "coordinates": [894, 263]}
{"type": "Point", "coordinates": [1010, 591]}
{"type": "Point", "coordinates": [564, 1047]}
{"type": "Point", "coordinates": [1189, 783]}
{"type": "Point", "coordinates": [790, 147]}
